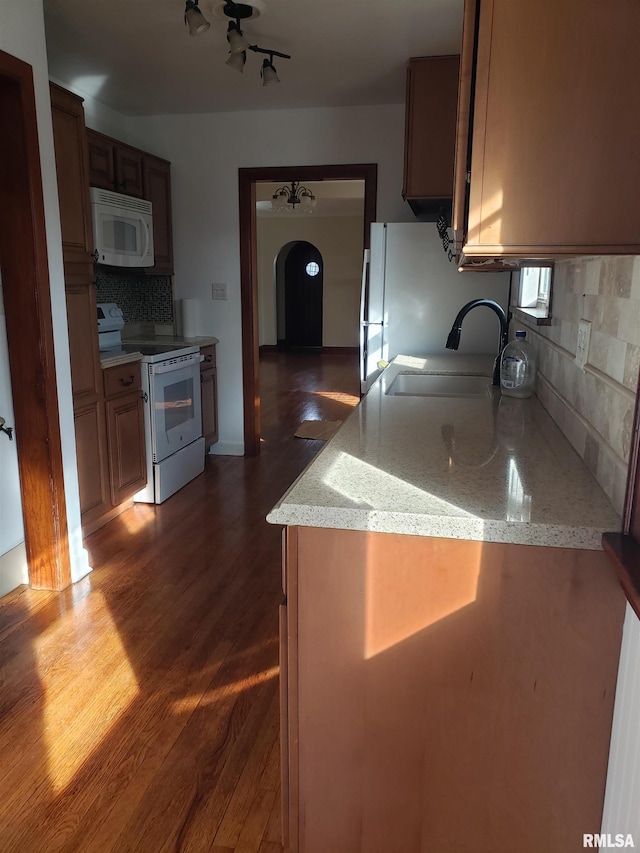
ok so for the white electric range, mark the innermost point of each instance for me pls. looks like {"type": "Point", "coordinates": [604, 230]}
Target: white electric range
{"type": "Point", "coordinates": [172, 408]}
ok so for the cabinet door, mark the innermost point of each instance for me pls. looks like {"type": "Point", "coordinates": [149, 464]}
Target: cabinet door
{"type": "Point", "coordinates": [92, 461]}
{"type": "Point", "coordinates": [128, 168]}
{"type": "Point", "coordinates": [125, 430]}
{"type": "Point", "coordinates": [70, 144]}
{"type": "Point", "coordinates": [101, 172]}
{"type": "Point", "coordinates": [554, 165]}
{"type": "Point", "coordinates": [156, 176]}
{"type": "Point", "coordinates": [83, 344]}
{"type": "Point", "coordinates": [432, 89]}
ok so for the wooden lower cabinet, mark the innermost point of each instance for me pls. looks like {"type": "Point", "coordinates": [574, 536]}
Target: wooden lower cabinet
{"type": "Point", "coordinates": [125, 431]}
{"type": "Point", "coordinates": [209, 395]}
{"type": "Point", "coordinates": [445, 696]}
{"type": "Point", "coordinates": [91, 452]}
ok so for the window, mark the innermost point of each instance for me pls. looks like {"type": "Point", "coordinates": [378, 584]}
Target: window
{"type": "Point", "coordinates": [312, 268]}
{"type": "Point", "coordinates": [533, 293]}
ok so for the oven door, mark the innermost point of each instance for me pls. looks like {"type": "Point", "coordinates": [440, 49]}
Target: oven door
{"type": "Point", "coordinates": [175, 406]}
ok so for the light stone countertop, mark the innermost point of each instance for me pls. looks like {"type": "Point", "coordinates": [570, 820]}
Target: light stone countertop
{"type": "Point", "coordinates": [178, 340]}
{"type": "Point", "coordinates": [110, 360]}
{"type": "Point", "coordinates": [493, 469]}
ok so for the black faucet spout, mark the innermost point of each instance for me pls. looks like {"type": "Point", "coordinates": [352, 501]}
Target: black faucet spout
{"type": "Point", "coordinates": [453, 339]}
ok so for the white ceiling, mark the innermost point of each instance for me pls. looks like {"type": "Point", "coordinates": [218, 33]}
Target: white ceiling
{"type": "Point", "coordinates": [137, 56]}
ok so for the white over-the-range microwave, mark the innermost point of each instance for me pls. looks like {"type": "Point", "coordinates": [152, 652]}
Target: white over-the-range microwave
{"type": "Point", "coordinates": [122, 229]}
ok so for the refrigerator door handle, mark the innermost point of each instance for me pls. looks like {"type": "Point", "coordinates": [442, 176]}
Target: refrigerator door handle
{"type": "Point", "coordinates": [363, 290]}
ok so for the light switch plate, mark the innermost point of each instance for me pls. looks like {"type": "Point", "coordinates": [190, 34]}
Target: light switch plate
{"type": "Point", "coordinates": [582, 349]}
{"type": "Point", "coordinates": [218, 291]}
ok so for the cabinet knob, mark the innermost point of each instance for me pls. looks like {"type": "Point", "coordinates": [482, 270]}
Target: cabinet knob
{"type": "Point", "coordinates": [128, 381]}
{"type": "Point", "coordinates": [208, 358]}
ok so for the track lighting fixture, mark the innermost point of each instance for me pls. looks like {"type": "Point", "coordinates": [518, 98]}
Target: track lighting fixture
{"type": "Point", "coordinates": [194, 19]}
{"type": "Point", "coordinates": [286, 198]}
{"type": "Point", "coordinates": [238, 43]}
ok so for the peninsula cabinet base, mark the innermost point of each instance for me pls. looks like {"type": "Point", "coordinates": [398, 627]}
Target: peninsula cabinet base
{"type": "Point", "coordinates": [445, 696]}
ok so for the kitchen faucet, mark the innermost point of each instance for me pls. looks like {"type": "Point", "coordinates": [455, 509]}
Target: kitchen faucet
{"type": "Point", "coordinates": [453, 340]}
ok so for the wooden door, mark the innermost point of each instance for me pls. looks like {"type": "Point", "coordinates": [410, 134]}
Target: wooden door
{"type": "Point", "coordinates": [303, 296]}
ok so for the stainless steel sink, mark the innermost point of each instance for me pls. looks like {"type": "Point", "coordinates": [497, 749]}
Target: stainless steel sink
{"type": "Point", "coordinates": [439, 385]}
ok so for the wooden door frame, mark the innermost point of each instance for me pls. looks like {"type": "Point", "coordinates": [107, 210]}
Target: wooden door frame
{"type": "Point", "coordinates": [27, 307]}
{"type": "Point", "coordinates": [247, 180]}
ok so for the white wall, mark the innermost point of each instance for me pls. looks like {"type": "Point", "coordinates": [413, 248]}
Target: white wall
{"type": "Point", "coordinates": [22, 35]}
{"type": "Point", "coordinates": [339, 240]}
{"type": "Point", "coordinates": [98, 116]}
{"type": "Point", "coordinates": [205, 153]}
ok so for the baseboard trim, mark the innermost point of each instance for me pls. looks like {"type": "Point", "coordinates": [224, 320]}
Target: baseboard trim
{"type": "Point", "coordinates": [226, 448]}
{"type": "Point", "coordinates": [14, 569]}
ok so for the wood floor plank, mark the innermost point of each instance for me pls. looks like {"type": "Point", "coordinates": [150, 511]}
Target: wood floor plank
{"type": "Point", "coordinates": [243, 797]}
{"type": "Point", "coordinates": [139, 707]}
{"type": "Point", "coordinates": [254, 824]}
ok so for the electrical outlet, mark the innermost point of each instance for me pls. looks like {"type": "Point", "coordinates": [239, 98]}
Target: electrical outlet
{"type": "Point", "coordinates": [218, 291]}
{"type": "Point", "coordinates": [582, 349]}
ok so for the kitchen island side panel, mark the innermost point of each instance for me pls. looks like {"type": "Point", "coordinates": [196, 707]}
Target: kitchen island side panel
{"type": "Point", "coordinates": [450, 695]}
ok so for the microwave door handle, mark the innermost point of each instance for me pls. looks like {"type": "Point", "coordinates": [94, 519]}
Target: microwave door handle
{"type": "Point", "coordinates": [146, 236]}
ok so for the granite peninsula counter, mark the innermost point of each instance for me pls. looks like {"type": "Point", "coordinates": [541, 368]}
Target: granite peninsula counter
{"type": "Point", "coordinates": [492, 469]}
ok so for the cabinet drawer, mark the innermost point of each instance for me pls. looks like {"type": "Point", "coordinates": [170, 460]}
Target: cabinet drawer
{"type": "Point", "coordinates": [121, 379]}
{"type": "Point", "coordinates": [208, 354]}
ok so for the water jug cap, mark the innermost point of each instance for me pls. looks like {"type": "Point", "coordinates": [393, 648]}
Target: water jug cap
{"type": "Point", "coordinates": [521, 334]}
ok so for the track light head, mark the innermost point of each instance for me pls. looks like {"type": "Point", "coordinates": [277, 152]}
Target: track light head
{"type": "Point", "coordinates": [236, 39]}
{"type": "Point", "coordinates": [268, 72]}
{"type": "Point", "coordinates": [194, 19]}
{"type": "Point", "coordinates": [237, 61]}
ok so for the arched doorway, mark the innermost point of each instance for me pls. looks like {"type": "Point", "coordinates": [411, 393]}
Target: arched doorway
{"type": "Point", "coordinates": [299, 295]}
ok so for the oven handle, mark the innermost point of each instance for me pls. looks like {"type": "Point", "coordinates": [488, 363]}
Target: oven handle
{"type": "Point", "coordinates": [169, 368]}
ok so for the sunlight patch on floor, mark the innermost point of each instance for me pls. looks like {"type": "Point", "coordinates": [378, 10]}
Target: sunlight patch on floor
{"type": "Point", "coordinates": [188, 704]}
{"type": "Point", "coordinates": [339, 397]}
{"type": "Point", "coordinates": [77, 722]}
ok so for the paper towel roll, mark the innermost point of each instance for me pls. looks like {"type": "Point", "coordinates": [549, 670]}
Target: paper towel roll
{"type": "Point", "coordinates": [190, 318]}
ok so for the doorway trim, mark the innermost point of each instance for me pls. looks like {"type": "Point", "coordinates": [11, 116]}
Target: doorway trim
{"type": "Point", "coordinates": [247, 180]}
{"type": "Point", "coordinates": [27, 307]}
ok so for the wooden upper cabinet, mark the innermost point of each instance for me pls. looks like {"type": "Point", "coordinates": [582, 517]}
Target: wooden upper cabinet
{"type": "Point", "coordinates": [122, 168]}
{"type": "Point", "coordinates": [430, 131]}
{"type": "Point", "coordinates": [128, 170]}
{"type": "Point", "coordinates": [101, 169]}
{"type": "Point", "coordinates": [114, 165]}
{"type": "Point", "coordinates": [156, 182]}
{"type": "Point", "coordinates": [72, 173]}
{"type": "Point", "coordinates": [554, 142]}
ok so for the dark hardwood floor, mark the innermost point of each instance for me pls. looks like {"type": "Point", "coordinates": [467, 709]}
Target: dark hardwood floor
{"type": "Point", "coordinates": [139, 707]}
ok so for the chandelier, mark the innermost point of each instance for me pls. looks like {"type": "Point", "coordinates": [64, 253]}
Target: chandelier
{"type": "Point", "coordinates": [238, 43]}
{"type": "Point", "coordinates": [286, 198]}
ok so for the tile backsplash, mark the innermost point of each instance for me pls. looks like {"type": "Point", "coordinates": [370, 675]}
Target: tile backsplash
{"type": "Point", "coordinates": [143, 298]}
{"type": "Point", "coordinates": [594, 407]}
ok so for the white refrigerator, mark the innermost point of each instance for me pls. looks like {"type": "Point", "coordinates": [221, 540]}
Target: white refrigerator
{"type": "Point", "coordinates": [411, 294]}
